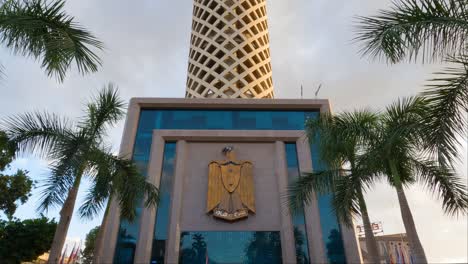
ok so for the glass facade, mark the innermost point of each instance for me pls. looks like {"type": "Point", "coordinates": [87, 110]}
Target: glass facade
{"type": "Point", "coordinates": [161, 226]}
{"type": "Point", "coordinates": [331, 230]}
{"type": "Point", "coordinates": [151, 119]}
{"type": "Point", "coordinates": [230, 247]}
{"type": "Point", "coordinates": [298, 218]}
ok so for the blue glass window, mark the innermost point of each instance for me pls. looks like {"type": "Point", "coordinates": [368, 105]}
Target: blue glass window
{"type": "Point", "coordinates": [151, 119]}
{"type": "Point", "coordinates": [298, 218]}
{"type": "Point", "coordinates": [230, 247]}
{"type": "Point", "coordinates": [331, 229]}
{"type": "Point", "coordinates": [161, 226]}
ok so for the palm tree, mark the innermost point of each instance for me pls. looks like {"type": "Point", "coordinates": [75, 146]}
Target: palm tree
{"type": "Point", "coordinates": [428, 31]}
{"type": "Point", "coordinates": [342, 139]}
{"type": "Point", "coordinates": [394, 150]}
{"type": "Point", "coordinates": [78, 150]}
{"type": "Point", "coordinates": [399, 154]}
{"type": "Point", "coordinates": [42, 30]}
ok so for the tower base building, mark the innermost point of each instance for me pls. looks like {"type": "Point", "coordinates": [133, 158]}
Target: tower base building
{"type": "Point", "coordinates": [223, 167]}
{"type": "Point", "coordinates": [223, 159]}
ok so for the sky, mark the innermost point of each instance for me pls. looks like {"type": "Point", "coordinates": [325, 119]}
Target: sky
{"type": "Point", "coordinates": [147, 44]}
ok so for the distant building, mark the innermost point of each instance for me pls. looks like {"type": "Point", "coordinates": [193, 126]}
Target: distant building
{"type": "Point", "coordinates": [393, 249]}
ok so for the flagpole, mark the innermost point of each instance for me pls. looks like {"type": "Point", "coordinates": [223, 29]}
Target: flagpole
{"type": "Point", "coordinates": [63, 254]}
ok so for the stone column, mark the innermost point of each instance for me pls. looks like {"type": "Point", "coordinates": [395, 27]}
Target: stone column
{"type": "Point", "coordinates": [110, 224]}
{"type": "Point", "coordinates": [173, 241]}
{"type": "Point", "coordinates": [148, 215]}
{"type": "Point", "coordinates": [311, 211]}
{"type": "Point", "coordinates": [287, 229]}
{"type": "Point", "coordinates": [351, 244]}
{"type": "Point", "coordinates": [110, 233]}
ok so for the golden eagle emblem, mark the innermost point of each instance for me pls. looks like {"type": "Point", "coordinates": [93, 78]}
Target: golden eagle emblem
{"type": "Point", "coordinates": [230, 188]}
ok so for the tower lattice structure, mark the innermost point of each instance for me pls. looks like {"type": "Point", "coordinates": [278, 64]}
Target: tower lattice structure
{"type": "Point", "coordinates": [229, 50]}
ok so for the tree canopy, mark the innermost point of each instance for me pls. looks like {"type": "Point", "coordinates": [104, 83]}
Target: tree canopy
{"type": "Point", "coordinates": [26, 240]}
{"type": "Point", "coordinates": [44, 31]}
{"type": "Point", "coordinates": [13, 188]}
{"type": "Point", "coordinates": [87, 253]}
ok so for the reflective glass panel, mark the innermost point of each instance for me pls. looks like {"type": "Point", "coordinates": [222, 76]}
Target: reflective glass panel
{"type": "Point", "coordinates": [151, 119]}
{"type": "Point", "coordinates": [331, 229]}
{"type": "Point", "coordinates": [298, 218]}
{"type": "Point", "coordinates": [161, 226]}
{"type": "Point", "coordinates": [230, 247]}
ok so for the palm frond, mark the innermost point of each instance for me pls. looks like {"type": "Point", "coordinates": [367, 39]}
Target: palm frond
{"type": "Point", "coordinates": [429, 29]}
{"type": "Point", "coordinates": [44, 31]}
{"type": "Point", "coordinates": [447, 97]}
{"type": "Point", "coordinates": [55, 187]}
{"type": "Point", "coordinates": [96, 196]}
{"type": "Point", "coordinates": [340, 137]}
{"type": "Point", "coordinates": [2, 71]}
{"type": "Point", "coordinates": [37, 132]}
{"type": "Point", "coordinates": [152, 194]}
{"type": "Point", "coordinates": [402, 122]}
{"type": "Point", "coordinates": [100, 171]}
{"type": "Point", "coordinates": [345, 200]}
{"type": "Point", "coordinates": [444, 184]}
{"type": "Point", "coordinates": [65, 169]}
{"type": "Point", "coordinates": [129, 187]}
{"type": "Point", "coordinates": [302, 191]}
{"type": "Point", "coordinates": [104, 110]}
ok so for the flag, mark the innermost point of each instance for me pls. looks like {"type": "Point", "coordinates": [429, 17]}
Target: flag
{"type": "Point", "coordinates": [62, 258]}
{"type": "Point", "coordinates": [397, 255]}
{"type": "Point", "coordinates": [77, 254]}
{"type": "Point", "coordinates": [403, 258]}
{"type": "Point", "coordinates": [385, 251]}
{"type": "Point", "coordinates": [73, 257]}
{"type": "Point", "coordinates": [70, 258]}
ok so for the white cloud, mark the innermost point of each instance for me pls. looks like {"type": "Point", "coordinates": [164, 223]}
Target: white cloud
{"type": "Point", "coordinates": [147, 53]}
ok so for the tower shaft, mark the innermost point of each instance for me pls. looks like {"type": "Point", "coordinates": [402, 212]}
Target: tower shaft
{"type": "Point", "coordinates": [229, 50]}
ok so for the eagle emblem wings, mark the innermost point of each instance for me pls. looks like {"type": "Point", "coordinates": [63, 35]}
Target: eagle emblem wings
{"type": "Point", "coordinates": [230, 188]}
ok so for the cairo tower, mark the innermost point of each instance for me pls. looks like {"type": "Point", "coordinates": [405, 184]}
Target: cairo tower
{"type": "Point", "coordinates": [223, 157]}
{"type": "Point", "coordinates": [229, 50]}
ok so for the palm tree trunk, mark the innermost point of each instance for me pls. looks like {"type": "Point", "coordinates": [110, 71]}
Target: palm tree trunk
{"type": "Point", "coordinates": [371, 243]}
{"type": "Point", "coordinates": [417, 250]}
{"type": "Point", "coordinates": [65, 219]}
{"type": "Point", "coordinates": [100, 236]}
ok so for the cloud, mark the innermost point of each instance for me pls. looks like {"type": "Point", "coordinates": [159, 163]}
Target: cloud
{"type": "Point", "coordinates": [311, 44]}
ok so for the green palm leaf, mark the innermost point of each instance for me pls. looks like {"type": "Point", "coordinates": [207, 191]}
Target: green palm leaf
{"type": "Point", "coordinates": [345, 201]}
{"type": "Point", "coordinates": [447, 97]}
{"type": "Point", "coordinates": [106, 109]}
{"type": "Point", "coordinates": [39, 133]}
{"type": "Point", "coordinates": [76, 152]}
{"type": "Point", "coordinates": [303, 190]}
{"type": "Point", "coordinates": [43, 30]}
{"type": "Point", "coordinates": [444, 184]}
{"type": "Point", "coordinates": [430, 29]}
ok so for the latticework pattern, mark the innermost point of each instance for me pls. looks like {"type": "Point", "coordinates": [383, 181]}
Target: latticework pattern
{"type": "Point", "coordinates": [229, 52]}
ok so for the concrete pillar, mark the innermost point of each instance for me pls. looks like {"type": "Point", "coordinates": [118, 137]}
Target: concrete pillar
{"type": "Point", "coordinates": [351, 244]}
{"type": "Point", "coordinates": [311, 211]}
{"type": "Point", "coordinates": [148, 215]}
{"type": "Point", "coordinates": [173, 241]}
{"type": "Point", "coordinates": [105, 251]}
{"type": "Point", "coordinates": [287, 229]}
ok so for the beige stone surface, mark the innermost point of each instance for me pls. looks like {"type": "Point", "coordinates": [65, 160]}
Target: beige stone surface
{"type": "Point", "coordinates": [229, 50]}
{"type": "Point", "coordinates": [197, 147]}
{"type": "Point", "coordinates": [197, 103]}
{"type": "Point", "coordinates": [194, 218]}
